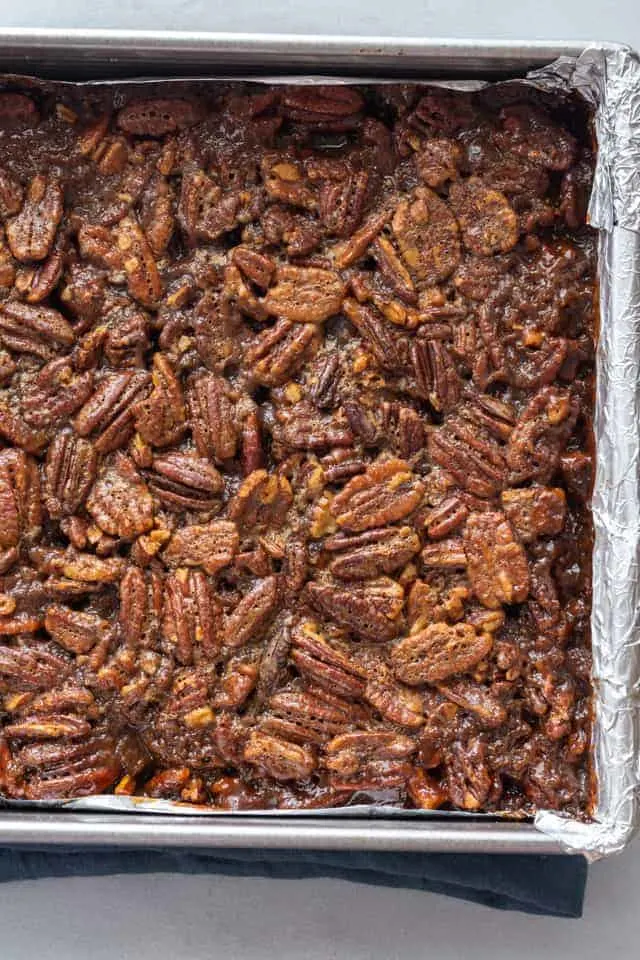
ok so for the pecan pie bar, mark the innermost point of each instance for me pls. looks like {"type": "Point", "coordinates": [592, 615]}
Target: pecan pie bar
{"type": "Point", "coordinates": [295, 410]}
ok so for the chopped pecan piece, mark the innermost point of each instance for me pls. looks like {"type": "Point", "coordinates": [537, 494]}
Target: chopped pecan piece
{"type": "Point", "coordinates": [261, 500]}
{"type": "Point", "coordinates": [425, 791]}
{"type": "Point", "coordinates": [439, 160]}
{"type": "Point", "coordinates": [477, 700]}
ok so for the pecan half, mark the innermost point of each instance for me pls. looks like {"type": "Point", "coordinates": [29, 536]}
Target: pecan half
{"type": "Point", "coordinates": [31, 232]}
{"type": "Point", "coordinates": [140, 608]}
{"type": "Point", "coordinates": [34, 665]}
{"type": "Point", "coordinates": [77, 632]}
{"type": "Point", "coordinates": [277, 353]}
{"type": "Point", "coordinates": [322, 106]}
{"type": "Point", "coordinates": [436, 375]}
{"type": "Point", "coordinates": [109, 414]}
{"type": "Point", "coordinates": [160, 417]}
{"type": "Point", "coordinates": [143, 279]}
{"type": "Point", "coordinates": [428, 236]}
{"type": "Point", "coordinates": [326, 664]}
{"type": "Point", "coordinates": [374, 759]}
{"type": "Point", "coordinates": [119, 500]}
{"type": "Point", "coordinates": [470, 455]}
{"type": "Point", "coordinates": [184, 481]}
{"type": "Point", "coordinates": [438, 652]}
{"type": "Point", "coordinates": [541, 434]}
{"type": "Point", "coordinates": [56, 393]}
{"type": "Point", "coordinates": [374, 552]}
{"type": "Point", "coordinates": [370, 609]}
{"type": "Point", "coordinates": [393, 701]}
{"type": "Point", "coordinates": [213, 422]}
{"type": "Point", "coordinates": [191, 617]}
{"type": "Point", "coordinates": [278, 758]}
{"type": "Point", "coordinates": [155, 118]}
{"type": "Point", "coordinates": [70, 471]}
{"type": "Point", "coordinates": [211, 546]}
{"type": "Point", "coordinates": [310, 716]}
{"type": "Point", "coordinates": [20, 510]}
{"type": "Point", "coordinates": [535, 511]}
{"type": "Point", "coordinates": [496, 561]}
{"type": "Point", "coordinates": [386, 492]}
{"type": "Point", "coordinates": [304, 294]}
{"type": "Point", "coordinates": [252, 613]}
{"type": "Point", "coordinates": [37, 330]}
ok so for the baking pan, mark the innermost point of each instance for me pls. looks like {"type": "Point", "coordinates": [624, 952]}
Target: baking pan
{"type": "Point", "coordinates": [85, 55]}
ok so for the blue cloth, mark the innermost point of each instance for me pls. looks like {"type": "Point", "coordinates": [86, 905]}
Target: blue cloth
{"type": "Point", "coordinates": [551, 886]}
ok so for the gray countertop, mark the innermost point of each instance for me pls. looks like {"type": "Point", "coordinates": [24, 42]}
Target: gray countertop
{"type": "Point", "coordinates": [165, 916]}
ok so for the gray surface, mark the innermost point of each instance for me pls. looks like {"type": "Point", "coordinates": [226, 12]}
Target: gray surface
{"type": "Point", "coordinates": [542, 19]}
{"type": "Point", "coordinates": [170, 918]}
{"type": "Point", "coordinates": [204, 917]}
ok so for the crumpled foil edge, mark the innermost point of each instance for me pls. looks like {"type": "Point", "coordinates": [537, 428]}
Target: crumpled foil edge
{"type": "Point", "coordinates": [609, 79]}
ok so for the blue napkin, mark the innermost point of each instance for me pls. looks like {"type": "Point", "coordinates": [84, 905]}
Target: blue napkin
{"type": "Point", "coordinates": [551, 886]}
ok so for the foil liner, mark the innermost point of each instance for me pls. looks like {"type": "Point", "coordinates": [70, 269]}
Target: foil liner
{"type": "Point", "coordinates": [608, 78]}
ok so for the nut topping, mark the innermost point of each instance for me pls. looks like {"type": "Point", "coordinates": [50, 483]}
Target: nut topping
{"type": "Point", "coordinates": [296, 401]}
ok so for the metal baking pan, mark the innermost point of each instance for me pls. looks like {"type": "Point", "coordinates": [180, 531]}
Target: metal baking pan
{"type": "Point", "coordinates": [89, 54]}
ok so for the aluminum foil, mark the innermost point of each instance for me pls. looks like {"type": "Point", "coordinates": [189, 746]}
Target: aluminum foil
{"type": "Point", "coordinates": [609, 79]}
